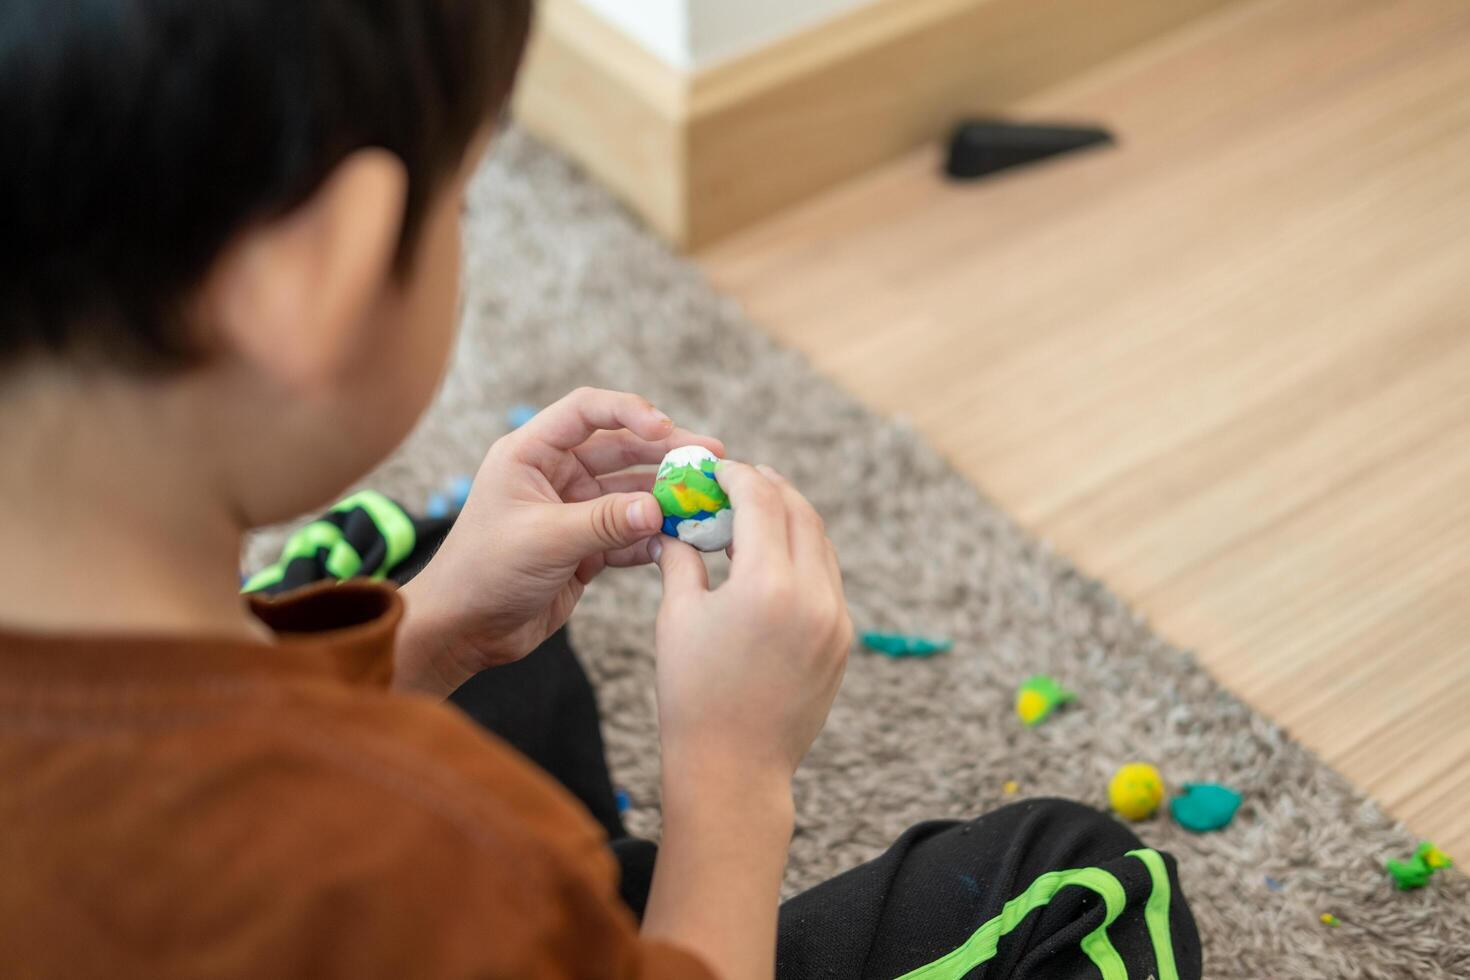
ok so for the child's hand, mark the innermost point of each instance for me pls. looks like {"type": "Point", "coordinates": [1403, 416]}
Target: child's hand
{"type": "Point", "coordinates": [550, 508]}
{"type": "Point", "coordinates": [748, 671]}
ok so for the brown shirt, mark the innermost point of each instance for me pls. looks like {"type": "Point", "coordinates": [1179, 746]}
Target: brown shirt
{"type": "Point", "coordinates": [202, 808]}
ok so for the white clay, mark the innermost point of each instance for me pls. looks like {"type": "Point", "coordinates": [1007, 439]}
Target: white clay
{"type": "Point", "coordinates": [711, 534]}
{"type": "Point", "coordinates": [685, 456]}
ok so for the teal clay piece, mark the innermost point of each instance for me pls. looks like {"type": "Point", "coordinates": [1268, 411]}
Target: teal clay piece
{"type": "Point", "coordinates": [900, 645]}
{"type": "Point", "coordinates": [1203, 807]}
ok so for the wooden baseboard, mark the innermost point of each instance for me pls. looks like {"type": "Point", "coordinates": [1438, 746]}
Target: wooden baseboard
{"type": "Point", "coordinates": [703, 154]}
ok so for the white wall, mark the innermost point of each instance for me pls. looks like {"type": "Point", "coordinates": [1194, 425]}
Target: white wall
{"type": "Point", "coordinates": [661, 26]}
{"type": "Point", "coordinates": [692, 34]}
{"type": "Point", "coordinates": [724, 28]}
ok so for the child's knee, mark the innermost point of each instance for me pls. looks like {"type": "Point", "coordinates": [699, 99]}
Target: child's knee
{"type": "Point", "coordinates": [1061, 819]}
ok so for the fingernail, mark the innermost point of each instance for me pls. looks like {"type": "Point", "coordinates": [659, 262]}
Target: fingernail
{"type": "Point", "coordinates": [655, 547]}
{"type": "Point", "coordinates": [643, 515]}
{"type": "Point", "coordinates": [769, 471]}
{"type": "Point", "coordinates": [660, 416]}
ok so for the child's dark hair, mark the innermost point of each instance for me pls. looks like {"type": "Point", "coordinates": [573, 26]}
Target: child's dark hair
{"type": "Point", "coordinates": [137, 137]}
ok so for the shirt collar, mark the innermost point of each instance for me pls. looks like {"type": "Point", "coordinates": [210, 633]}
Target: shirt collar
{"type": "Point", "coordinates": [330, 630]}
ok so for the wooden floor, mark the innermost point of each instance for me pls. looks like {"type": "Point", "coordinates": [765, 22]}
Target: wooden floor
{"type": "Point", "coordinates": [1225, 366]}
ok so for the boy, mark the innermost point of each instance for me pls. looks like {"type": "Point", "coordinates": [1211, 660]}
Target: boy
{"type": "Point", "coordinates": [227, 289]}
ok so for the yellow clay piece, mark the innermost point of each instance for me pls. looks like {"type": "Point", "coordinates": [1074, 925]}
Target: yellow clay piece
{"type": "Point", "coordinates": [1136, 790]}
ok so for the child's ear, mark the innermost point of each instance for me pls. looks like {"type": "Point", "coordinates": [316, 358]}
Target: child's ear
{"type": "Point", "coordinates": [292, 296]}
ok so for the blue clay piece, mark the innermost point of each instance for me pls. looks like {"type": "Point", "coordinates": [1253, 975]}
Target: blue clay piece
{"type": "Point", "coordinates": [623, 800]}
{"type": "Point", "coordinates": [672, 522]}
{"type": "Point", "coordinates": [519, 415]}
{"type": "Point", "coordinates": [438, 506]}
{"type": "Point", "coordinates": [1203, 807]}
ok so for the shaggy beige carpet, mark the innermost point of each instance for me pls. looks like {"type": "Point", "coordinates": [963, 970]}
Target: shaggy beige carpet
{"type": "Point", "coordinates": [565, 289]}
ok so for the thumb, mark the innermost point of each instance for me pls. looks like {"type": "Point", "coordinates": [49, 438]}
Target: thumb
{"type": "Point", "coordinates": [682, 569]}
{"type": "Point", "coordinates": [609, 522]}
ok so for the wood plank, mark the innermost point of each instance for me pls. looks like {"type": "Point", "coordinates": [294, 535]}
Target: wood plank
{"type": "Point", "coordinates": [1355, 549]}
{"type": "Point", "coordinates": [1372, 670]}
{"type": "Point", "coordinates": [1153, 522]}
{"type": "Point", "coordinates": [1223, 365]}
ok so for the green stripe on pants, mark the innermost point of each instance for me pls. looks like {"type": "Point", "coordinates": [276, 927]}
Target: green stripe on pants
{"type": "Point", "coordinates": [1156, 913]}
{"type": "Point", "coordinates": [982, 944]}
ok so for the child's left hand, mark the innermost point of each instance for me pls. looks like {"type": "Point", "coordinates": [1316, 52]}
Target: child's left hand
{"type": "Point", "coordinates": [550, 508]}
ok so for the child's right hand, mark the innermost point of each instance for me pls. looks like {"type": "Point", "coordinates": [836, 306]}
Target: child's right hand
{"type": "Point", "coordinates": [746, 674]}
{"type": "Point", "coordinates": [748, 671]}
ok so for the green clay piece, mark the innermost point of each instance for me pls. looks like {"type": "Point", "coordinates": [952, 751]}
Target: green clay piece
{"type": "Point", "coordinates": [1203, 807]}
{"type": "Point", "coordinates": [900, 645]}
{"type": "Point", "coordinates": [1410, 874]}
{"type": "Point", "coordinates": [1417, 870]}
{"type": "Point", "coordinates": [1038, 697]}
{"type": "Point", "coordinates": [684, 490]}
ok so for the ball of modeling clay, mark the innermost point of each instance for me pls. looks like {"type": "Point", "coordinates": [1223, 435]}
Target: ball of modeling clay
{"type": "Point", "coordinates": [696, 510]}
{"type": "Point", "coordinates": [1204, 807]}
{"type": "Point", "coordinates": [1136, 790]}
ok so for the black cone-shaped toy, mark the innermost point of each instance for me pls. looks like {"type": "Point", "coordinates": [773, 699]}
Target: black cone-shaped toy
{"type": "Point", "coordinates": [981, 147]}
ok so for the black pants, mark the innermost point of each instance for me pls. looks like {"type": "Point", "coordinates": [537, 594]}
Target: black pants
{"type": "Point", "coordinates": [1039, 889]}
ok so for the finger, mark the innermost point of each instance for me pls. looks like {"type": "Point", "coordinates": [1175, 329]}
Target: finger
{"type": "Point", "coordinates": [571, 421]}
{"type": "Point", "coordinates": [608, 452]}
{"type": "Point", "coordinates": [633, 555]}
{"type": "Point", "coordinates": [588, 568]}
{"type": "Point", "coordinates": [760, 513]}
{"type": "Point", "coordinates": [681, 566]}
{"type": "Point", "coordinates": [844, 622]}
{"type": "Point", "coordinates": [605, 523]}
{"type": "Point", "coordinates": [633, 481]}
{"type": "Point", "coordinates": [804, 526]}
{"type": "Point", "coordinates": [589, 488]}
{"type": "Point", "coordinates": [834, 567]}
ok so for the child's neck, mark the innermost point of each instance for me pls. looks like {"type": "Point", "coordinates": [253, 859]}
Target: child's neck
{"type": "Point", "coordinates": [109, 523]}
